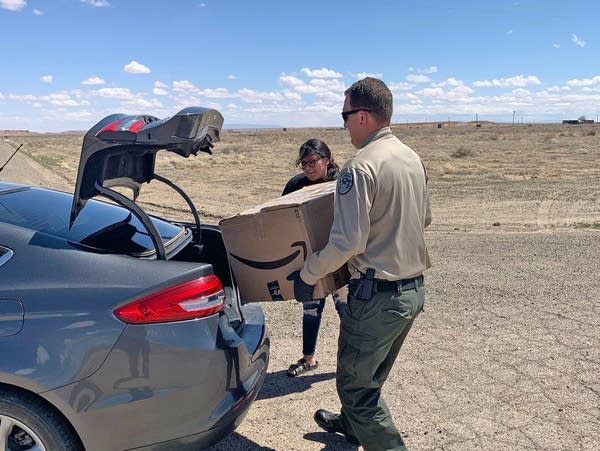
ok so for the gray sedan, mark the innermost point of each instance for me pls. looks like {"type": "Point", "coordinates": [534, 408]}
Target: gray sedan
{"type": "Point", "coordinates": [118, 329]}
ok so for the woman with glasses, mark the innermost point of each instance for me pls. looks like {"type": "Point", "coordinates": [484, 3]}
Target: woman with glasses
{"type": "Point", "coordinates": [316, 162]}
{"type": "Point", "coordinates": [318, 166]}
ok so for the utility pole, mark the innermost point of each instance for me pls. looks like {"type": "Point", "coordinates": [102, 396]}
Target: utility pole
{"type": "Point", "coordinates": [514, 112]}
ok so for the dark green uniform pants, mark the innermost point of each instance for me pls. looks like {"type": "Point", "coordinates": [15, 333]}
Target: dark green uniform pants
{"type": "Point", "coordinates": [371, 335]}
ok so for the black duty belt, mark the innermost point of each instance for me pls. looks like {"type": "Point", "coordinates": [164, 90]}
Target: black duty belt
{"type": "Point", "coordinates": [399, 285]}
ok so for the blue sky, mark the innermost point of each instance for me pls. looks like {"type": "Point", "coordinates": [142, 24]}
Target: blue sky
{"type": "Point", "coordinates": [68, 63]}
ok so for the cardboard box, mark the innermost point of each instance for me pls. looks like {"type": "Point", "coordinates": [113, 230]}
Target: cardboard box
{"type": "Point", "coordinates": [265, 244]}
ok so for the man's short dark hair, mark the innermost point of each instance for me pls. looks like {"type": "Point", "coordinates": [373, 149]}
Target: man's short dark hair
{"type": "Point", "coordinates": [372, 94]}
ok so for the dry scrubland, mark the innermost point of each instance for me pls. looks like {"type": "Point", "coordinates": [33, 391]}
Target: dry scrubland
{"type": "Point", "coordinates": [512, 177]}
{"type": "Point", "coordinates": [506, 355]}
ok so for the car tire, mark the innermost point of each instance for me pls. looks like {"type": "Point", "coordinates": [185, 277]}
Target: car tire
{"type": "Point", "coordinates": [28, 422]}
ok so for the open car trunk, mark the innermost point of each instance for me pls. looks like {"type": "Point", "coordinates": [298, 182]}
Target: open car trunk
{"type": "Point", "coordinates": [120, 152]}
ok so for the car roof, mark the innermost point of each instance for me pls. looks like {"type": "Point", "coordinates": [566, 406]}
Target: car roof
{"type": "Point", "coordinates": [102, 227]}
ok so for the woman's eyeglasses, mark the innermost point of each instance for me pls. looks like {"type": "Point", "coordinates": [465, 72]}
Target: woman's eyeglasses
{"type": "Point", "coordinates": [308, 163]}
{"type": "Point", "coordinates": [346, 114]}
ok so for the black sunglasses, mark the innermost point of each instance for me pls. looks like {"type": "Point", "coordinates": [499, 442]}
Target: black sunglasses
{"type": "Point", "coordinates": [346, 114]}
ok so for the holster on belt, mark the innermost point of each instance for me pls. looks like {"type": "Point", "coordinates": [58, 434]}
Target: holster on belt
{"type": "Point", "coordinates": [363, 288]}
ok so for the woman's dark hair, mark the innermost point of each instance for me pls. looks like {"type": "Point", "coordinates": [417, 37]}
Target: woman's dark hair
{"type": "Point", "coordinates": [320, 148]}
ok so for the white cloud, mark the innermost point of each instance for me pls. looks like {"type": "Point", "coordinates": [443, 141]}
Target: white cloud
{"type": "Point", "coordinates": [62, 99]}
{"type": "Point", "coordinates": [96, 3]}
{"type": "Point", "coordinates": [136, 68]}
{"type": "Point", "coordinates": [584, 82]}
{"type": "Point", "coordinates": [556, 46]}
{"type": "Point", "coordinates": [218, 93]}
{"type": "Point", "coordinates": [160, 89]}
{"type": "Point", "coordinates": [509, 32]}
{"type": "Point", "coordinates": [517, 81]}
{"type": "Point", "coordinates": [362, 75]}
{"type": "Point", "coordinates": [427, 70]}
{"type": "Point", "coordinates": [22, 98]}
{"type": "Point", "coordinates": [432, 92]}
{"type": "Point", "coordinates": [298, 100]}
{"type": "Point", "coordinates": [556, 89]}
{"type": "Point", "coordinates": [320, 73]}
{"type": "Point", "coordinates": [290, 80]}
{"type": "Point", "coordinates": [141, 104]}
{"type": "Point", "coordinates": [395, 86]}
{"type": "Point", "coordinates": [588, 89]}
{"type": "Point", "coordinates": [449, 82]}
{"type": "Point", "coordinates": [46, 79]}
{"type": "Point", "coordinates": [417, 78]}
{"type": "Point", "coordinates": [330, 96]}
{"type": "Point", "coordinates": [231, 77]}
{"type": "Point", "coordinates": [93, 81]}
{"type": "Point", "coordinates": [38, 12]}
{"type": "Point", "coordinates": [115, 93]}
{"type": "Point", "coordinates": [184, 86]}
{"type": "Point", "coordinates": [293, 96]}
{"type": "Point", "coordinates": [252, 96]}
{"type": "Point", "coordinates": [321, 87]}
{"type": "Point", "coordinates": [13, 5]}
{"type": "Point", "coordinates": [577, 40]}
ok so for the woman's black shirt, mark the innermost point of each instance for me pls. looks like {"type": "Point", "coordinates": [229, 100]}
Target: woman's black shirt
{"type": "Point", "coordinates": [300, 181]}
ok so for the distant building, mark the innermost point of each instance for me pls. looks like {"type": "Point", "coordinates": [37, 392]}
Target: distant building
{"type": "Point", "coordinates": [578, 121]}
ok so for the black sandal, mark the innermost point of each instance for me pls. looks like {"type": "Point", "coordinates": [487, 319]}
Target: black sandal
{"type": "Point", "coordinates": [300, 367]}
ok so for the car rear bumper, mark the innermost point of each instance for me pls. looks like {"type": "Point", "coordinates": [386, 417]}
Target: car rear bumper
{"type": "Point", "coordinates": [160, 388]}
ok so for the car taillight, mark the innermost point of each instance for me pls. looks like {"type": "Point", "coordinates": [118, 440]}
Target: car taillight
{"type": "Point", "coordinates": [126, 124]}
{"type": "Point", "coordinates": [193, 299]}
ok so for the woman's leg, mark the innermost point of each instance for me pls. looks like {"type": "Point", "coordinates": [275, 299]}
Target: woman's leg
{"type": "Point", "coordinates": [311, 321]}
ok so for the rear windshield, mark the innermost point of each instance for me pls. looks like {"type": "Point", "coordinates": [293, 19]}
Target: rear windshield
{"type": "Point", "coordinates": [100, 225]}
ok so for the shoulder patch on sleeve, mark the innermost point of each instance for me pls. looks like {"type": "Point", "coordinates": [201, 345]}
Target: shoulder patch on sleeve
{"type": "Point", "coordinates": [345, 182]}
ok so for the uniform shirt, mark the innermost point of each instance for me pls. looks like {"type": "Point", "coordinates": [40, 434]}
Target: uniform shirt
{"type": "Point", "coordinates": [381, 210]}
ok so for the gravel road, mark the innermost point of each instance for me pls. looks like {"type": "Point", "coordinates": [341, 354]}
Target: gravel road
{"type": "Point", "coordinates": [506, 355]}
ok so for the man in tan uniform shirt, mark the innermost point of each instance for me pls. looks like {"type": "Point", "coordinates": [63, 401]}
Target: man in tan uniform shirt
{"type": "Point", "coordinates": [381, 211]}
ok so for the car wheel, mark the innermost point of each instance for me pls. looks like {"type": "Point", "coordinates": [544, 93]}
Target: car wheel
{"type": "Point", "coordinates": [27, 423]}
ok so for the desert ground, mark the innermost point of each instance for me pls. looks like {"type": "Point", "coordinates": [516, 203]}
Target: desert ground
{"type": "Point", "coordinates": [507, 352]}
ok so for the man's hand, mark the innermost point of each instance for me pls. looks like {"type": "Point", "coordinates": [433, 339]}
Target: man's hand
{"type": "Point", "coordinates": [303, 292]}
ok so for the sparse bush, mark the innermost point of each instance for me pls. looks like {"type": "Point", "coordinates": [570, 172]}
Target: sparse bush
{"type": "Point", "coordinates": [449, 169]}
{"type": "Point", "coordinates": [587, 225]}
{"type": "Point", "coordinates": [462, 152]}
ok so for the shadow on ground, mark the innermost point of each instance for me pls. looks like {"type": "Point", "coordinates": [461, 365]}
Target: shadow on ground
{"type": "Point", "coordinates": [279, 384]}
{"type": "Point", "coordinates": [238, 442]}
{"type": "Point", "coordinates": [329, 442]}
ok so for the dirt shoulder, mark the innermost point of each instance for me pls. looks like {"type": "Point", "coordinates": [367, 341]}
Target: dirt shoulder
{"type": "Point", "coordinates": [22, 169]}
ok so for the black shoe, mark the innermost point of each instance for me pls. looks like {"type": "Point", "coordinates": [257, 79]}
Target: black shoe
{"type": "Point", "coordinates": [331, 423]}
